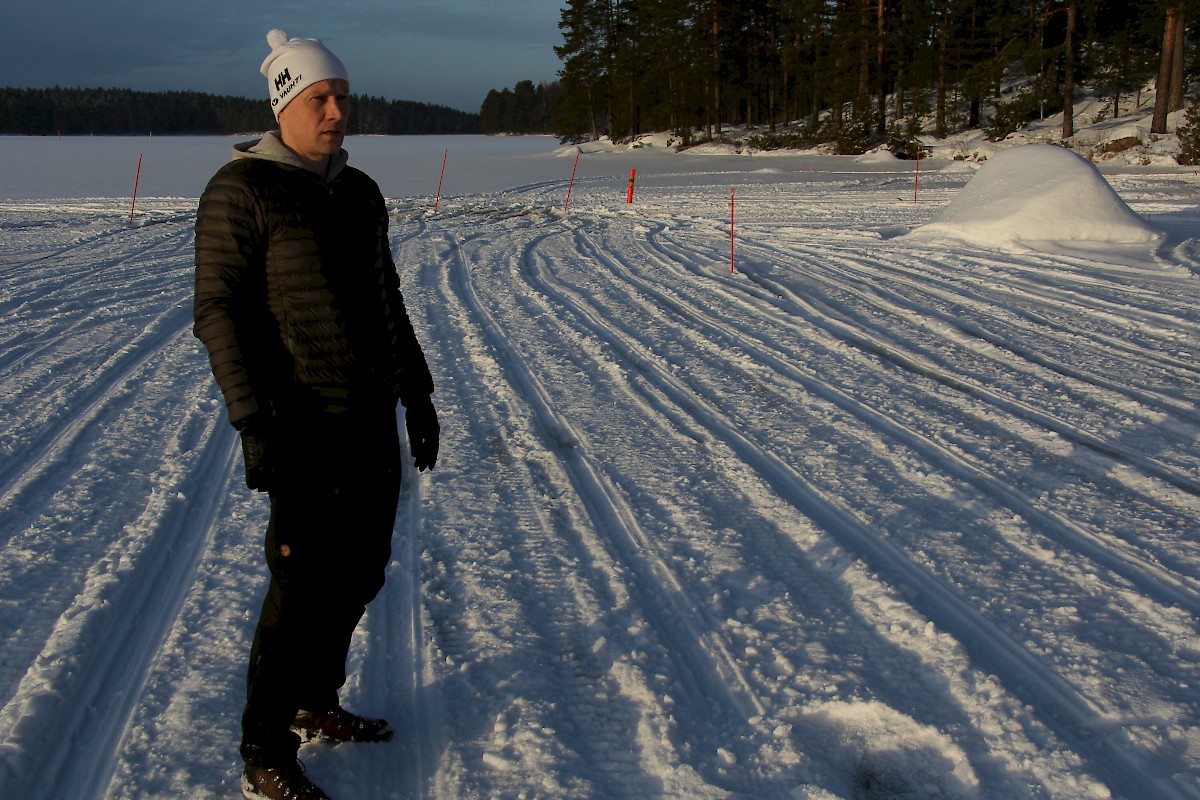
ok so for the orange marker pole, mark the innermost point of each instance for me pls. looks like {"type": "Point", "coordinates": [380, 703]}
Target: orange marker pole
{"type": "Point", "coordinates": [629, 195]}
{"type": "Point", "coordinates": [438, 199]}
{"type": "Point", "coordinates": [136, 177]}
{"type": "Point", "coordinates": [572, 183]}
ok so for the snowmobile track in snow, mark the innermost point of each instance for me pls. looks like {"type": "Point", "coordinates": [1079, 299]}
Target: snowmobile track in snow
{"type": "Point", "coordinates": [1023, 672]}
{"type": "Point", "coordinates": [862, 517]}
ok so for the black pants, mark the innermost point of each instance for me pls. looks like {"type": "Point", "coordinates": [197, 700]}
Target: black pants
{"type": "Point", "coordinates": [328, 543]}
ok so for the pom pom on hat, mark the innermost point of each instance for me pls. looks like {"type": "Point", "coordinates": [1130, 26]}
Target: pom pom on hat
{"type": "Point", "coordinates": [296, 64]}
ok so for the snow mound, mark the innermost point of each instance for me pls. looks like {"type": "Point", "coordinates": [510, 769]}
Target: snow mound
{"type": "Point", "coordinates": [874, 751]}
{"type": "Point", "coordinates": [876, 157]}
{"type": "Point", "coordinates": [1039, 194]}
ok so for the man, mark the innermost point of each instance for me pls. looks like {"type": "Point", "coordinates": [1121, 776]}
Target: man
{"type": "Point", "coordinates": [298, 304]}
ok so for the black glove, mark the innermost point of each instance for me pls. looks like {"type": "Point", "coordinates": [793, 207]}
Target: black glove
{"type": "Point", "coordinates": [256, 452]}
{"type": "Point", "coordinates": [423, 433]}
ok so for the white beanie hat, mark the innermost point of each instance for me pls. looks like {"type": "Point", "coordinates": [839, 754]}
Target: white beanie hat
{"type": "Point", "coordinates": [296, 64]}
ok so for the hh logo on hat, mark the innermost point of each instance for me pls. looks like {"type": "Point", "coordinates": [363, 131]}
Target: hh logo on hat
{"type": "Point", "coordinates": [285, 78]}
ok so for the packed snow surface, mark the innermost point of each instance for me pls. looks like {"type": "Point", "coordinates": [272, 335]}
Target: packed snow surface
{"type": "Point", "coordinates": [866, 516]}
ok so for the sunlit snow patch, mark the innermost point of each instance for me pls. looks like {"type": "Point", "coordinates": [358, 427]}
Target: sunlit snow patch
{"type": "Point", "coordinates": [880, 753]}
{"type": "Point", "coordinates": [1041, 197]}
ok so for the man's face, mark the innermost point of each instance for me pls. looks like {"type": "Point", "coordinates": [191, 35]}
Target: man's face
{"type": "Point", "coordinates": [314, 124]}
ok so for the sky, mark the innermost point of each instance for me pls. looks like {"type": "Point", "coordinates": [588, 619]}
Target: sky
{"type": "Point", "coordinates": [449, 53]}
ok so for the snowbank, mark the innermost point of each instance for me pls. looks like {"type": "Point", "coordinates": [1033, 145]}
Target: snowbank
{"type": "Point", "coordinates": [1028, 196]}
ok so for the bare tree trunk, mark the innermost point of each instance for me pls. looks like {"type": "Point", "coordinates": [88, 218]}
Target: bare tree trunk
{"type": "Point", "coordinates": [838, 105]}
{"type": "Point", "coordinates": [592, 113]}
{"type": "Point", "coordinates": [1166, 65]}
{"type": "Point", "coordinates": [880, 63]}
{"type": "Point", "coordinates": [786, 88]}
{"type": "Point", "coordinates": [901, 72]}
{"type": "Point", "coordinates": [674, 107]}
{"type": "Point", "coordinates": [708, 111]}
{"type": "Point", "coordinates": [771, 112]}
{"type": "Point", "coordinates": [940, 116]}
{"type": "Point", "coordinates": [716, 65]}
{"type": "Point", "coordinates": [862, 95]}
{"type": "Point", "coordinates": [1120, 77]}
{"type": "Point", "coordinates": [1177, 80]}
{"type": "Point", "coordinates": [635, 124]}
{"type": "Point", "coordinates": [610, 52]}
{"type": "Point", "coordinates": [1068, 129]}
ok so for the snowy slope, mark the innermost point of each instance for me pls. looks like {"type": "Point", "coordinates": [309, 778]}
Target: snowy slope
{"type": "Point", "coordinates": [875, 517]}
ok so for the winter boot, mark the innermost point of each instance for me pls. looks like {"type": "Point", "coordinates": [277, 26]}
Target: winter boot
{"type": "Point", "coordinates": [337, 725]}
{"type": "Point", "coordinates": [279, 783]}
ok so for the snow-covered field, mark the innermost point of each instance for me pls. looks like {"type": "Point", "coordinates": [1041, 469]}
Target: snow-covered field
{"type": "Point", "coordinates": [878, 516]}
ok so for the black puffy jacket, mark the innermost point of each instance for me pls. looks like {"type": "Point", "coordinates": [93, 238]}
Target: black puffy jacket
{"type": "Point", "coordinates": [297, 298]}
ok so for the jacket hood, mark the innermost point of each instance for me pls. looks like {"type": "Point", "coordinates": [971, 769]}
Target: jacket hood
{"type": "Point", "coordinates": [271, 148]}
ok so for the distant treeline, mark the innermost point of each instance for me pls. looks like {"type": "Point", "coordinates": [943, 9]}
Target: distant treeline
{"type": "Point", "coordinates": [523, 109]}
{"type": "Point", "coordinates": [125, 111]}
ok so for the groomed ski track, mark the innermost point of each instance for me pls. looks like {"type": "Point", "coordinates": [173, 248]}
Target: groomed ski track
{"type": "Point", "coordinates": [865, 519]}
